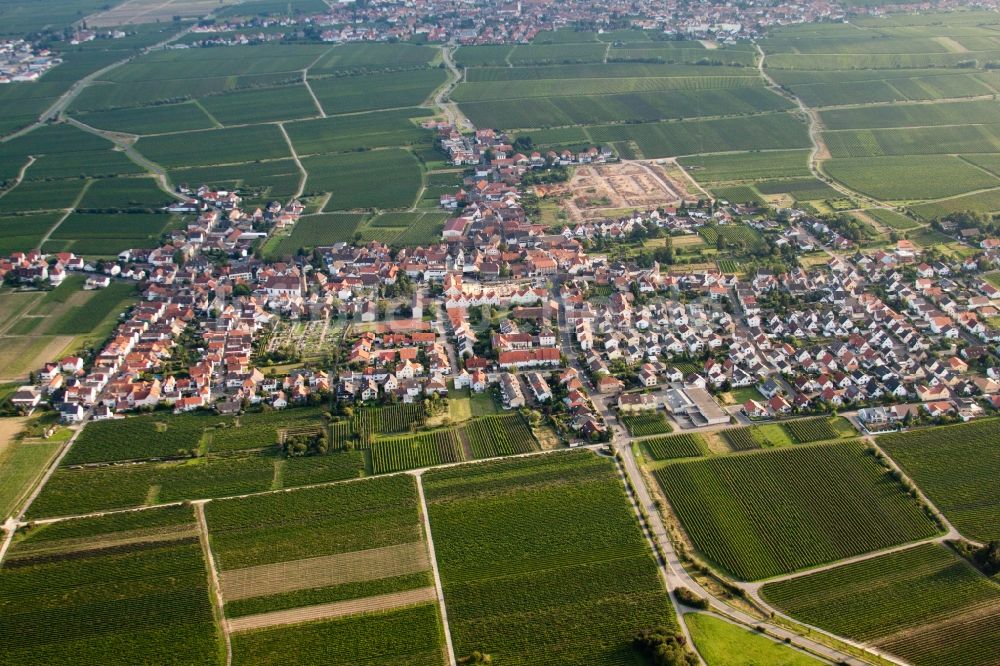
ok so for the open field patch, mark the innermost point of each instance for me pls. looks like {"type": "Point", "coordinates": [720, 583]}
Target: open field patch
{"type": "Point", "coordinates": [377, 179]}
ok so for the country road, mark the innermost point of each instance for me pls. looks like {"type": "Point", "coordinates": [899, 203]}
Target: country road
{"type": "Point", "coordinates": [442, 97]}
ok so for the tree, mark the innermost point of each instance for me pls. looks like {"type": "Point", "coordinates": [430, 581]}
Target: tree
{"type": "Point", "coordinates": [661, 646]}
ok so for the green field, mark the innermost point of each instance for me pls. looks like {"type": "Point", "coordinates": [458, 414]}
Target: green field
{"type": "Point", "coordinates": [542, 561]}
{"type": "Point", "coordinates": [220, 146]}
{"type": "Point", "coordinates": [924, 604]}
{"type": "Point", "coordinates": [246, 107]}
{"type": "Point", "coordinates": [378, 129]}
{"type": "Point", "coordinates": [376, 179]}
{"type": "Point", "coordinates": [708, 169]}
{"type": "Point", "coordinates": [642, 424]}
{"type": "Point", "coordinates": [317, 230]}
{"type": "Point", "coordinates": [501, 435]}
{"type": "Point", "coordinates": [370, 92]}
{"type": "Point", "coordinates": [687, 445]}
{"type": "Point", "coordinates": [121, 590]}
{"type": "Point", "coordinates": [149, 120]}
{"type": "Point", "coordinates": [911, 177]}
{"type": "Point", "coordinates": [735, 508]}
{"type": "Point", "coordinates": [954, 466]}
{"type": "Point", "coordinates": [721, 643]}
{"type": "Point", "coordinates": [21, 466]}
{"type": "Point", "coordinates": [31, 195]}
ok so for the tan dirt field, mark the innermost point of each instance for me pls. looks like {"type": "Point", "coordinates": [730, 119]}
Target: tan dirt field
{"type": "Point", "coordinates": [150, 11]}
{"type": "Point", "coordinates": [19, 354]}
{"type": "Point", "coordinates": [268, 579]}
{"type": "Point", "coordinates": [597, 191]}
{"type": "Point", "coordinates": [329, 611]}
{"type": "Point", "coordinates": [9, 427]}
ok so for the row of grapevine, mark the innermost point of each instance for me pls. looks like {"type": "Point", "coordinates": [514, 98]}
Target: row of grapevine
{"type": "Point", "coordinates": [502, 435]}
{"type": "Point", "coordinates": [389, 419]}
{"type": "Point", "coordinates": [740, 439]}
{"type": "Point", "coordinates": [687, 445]}
{"type": "Point", "coordinates": [811, 430]}
{"type": "Point", "coordinates": [645, 423]}
{"type": "Point", "coordinates": [424, 450]}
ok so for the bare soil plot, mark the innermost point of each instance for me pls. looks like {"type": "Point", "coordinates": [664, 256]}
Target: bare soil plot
{"type": "Point", "coordinates": [603, 190]}
{"type": "Point", "coordinates": [21, 354]}
{"type": "Point", "coordinates": [357, 566]}
{"type": "Point", "coordinates": [133, 12]}
{"type": "Point", "coordinates": [381, 602]}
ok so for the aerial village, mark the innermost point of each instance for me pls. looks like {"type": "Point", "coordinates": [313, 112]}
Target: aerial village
{"type": "Point", "coordinates": [533, 314]}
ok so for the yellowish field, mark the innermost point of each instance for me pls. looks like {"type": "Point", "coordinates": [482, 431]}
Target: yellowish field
{"type": "Point", "coordinates": [132, 12]}
{"type": "Point", "coordinates": [20, 354]}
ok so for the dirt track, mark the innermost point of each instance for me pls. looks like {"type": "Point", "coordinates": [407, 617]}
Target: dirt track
{"type": "Point", "coordinates": [336, 609]}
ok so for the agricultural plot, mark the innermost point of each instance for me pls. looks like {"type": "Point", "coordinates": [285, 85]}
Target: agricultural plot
{"type": "Point", "coordinates": [245, 107]}
{"type": "Point", "coordinates": [41, 195]}
{"type": "Point", "coordinates": [401, 453]}
{"type": "Point", "coordinates": [740, 439]}
{"type": "Point", "coordinates": [380, 129]}
{"type": "Point", "coordinates": [124, 194]}
{"type": "Point", "coordinates": [804, 189]}
{"type": "Point", "coordinates": [732, 235]}
{"type": "Point", "coordinates": [21, 466]}
{"type": "Point", "coordinates": [319, 230]}
{"type": "Point", "coordinates": [735, 508]}
{"type": "Point", "coordinates": [955, 466]}
{"type": "Point", "coordinates": [109, 234]}
{"type": "Point", "coordinates": [389, 419]}
{"type": "Point", "coordinates": [369, 57]}
{"type": "Point", "coordinates": [350, 541]}
{"type": "Point", "coordinates": [924, 604]}
{"type": "Point", "coordinates": [911, 115]}
{"type": "Point", "coordinates": [221, 146]}
{"type": "Point", "coordinates": [910, 177]}
{"type": "Point", "coordinates": [773, 131]}
{"type": "Point", "coordinates": [502, 435]}
{"type": "Point", "coordinates": [634, 107]}
{"type": "Point", "coordinates": [370, 92]}
{"type": "Point", "coordinates": [137, 585]}
{"type": "Point", "coordinates": [149, 120]}
{"type": "Point", "coordinates": [542, 561]}
{"type": "Point", "coordinates": [980, 202]}
{"type": "Point", "coordinates": [687, 445]}
{"type": "Point", "coordinates": [388, 178]}
{"type": "Point", "coordinates": [740, 194]}
{"type": "Point", "coordinates": [708, 169]}
{"type": "Point", "coordinates": [892, 219]}
{"type": "Point", "coordinates": [20, 233]}
{"type": "Point", "coordinates": [818, 429]}
{"type": "Point", "coordinates": [643, 424]}
{"type": "Point", "coordinates": [274, 179]}
{"type": "Point", "coordinates": [409, 634]}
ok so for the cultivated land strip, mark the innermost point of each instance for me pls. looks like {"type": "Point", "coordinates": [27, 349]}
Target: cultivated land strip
{"type": "Point", "coordinates": [381, 602]}
{"type": "Point", "coordinates": [213, 578]}
{"type": "Point", "coordinates": [324, 571]}
{"type": "Point", "coordinates": [434, 567]}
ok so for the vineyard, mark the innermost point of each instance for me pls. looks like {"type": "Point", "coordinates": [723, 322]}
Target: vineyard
{"type": "Point", "coordinates": [390, 419]}
{"type": "Point", "coordinates": [956, 467]}
{"type": "Point", "coordinates": [925, 604]}
{"type": "Point", "coordinates": [113, 590]}
{"type": "Point", "coordinates": [811, 430]}
{"type": "Point", "coordinates": [687, 445]}
{"type": "Point", "coordinates": [424, 450]}
{"type": "Point", "coordinates": [503, 435]}
{"type": "Point", "coordinates": [774, 512]}
{"type": "Point", "coordinates": [408, 635]}
{"type": "Point", "coordinates": [542, 560]}
{"type": "Point", "coordinates": [643, 424]}
{"type": "Point", "coordinates": [740, 439]}
{"type": "Point", "coordinates": [138, 438]}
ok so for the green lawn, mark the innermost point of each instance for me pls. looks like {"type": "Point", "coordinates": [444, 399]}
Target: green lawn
{"type": "Point", "coordinates": [21, 464]}
{"type": "Point", "coordinates": [722, 643]}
